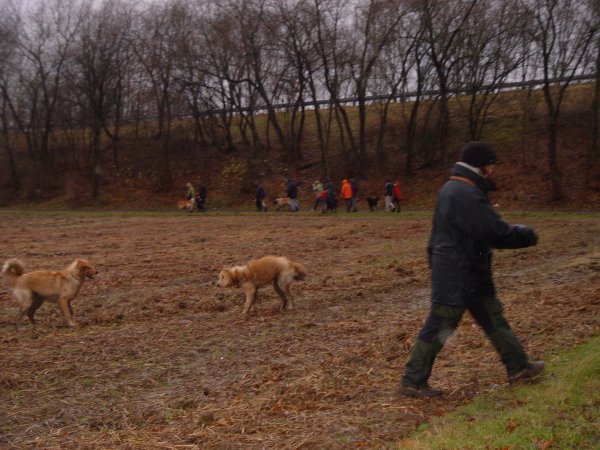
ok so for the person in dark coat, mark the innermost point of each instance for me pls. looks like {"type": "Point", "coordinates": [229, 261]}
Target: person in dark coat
{"type": "Point", "coordinates": [354, 187]}
{"type": "Point", "coordinates": [259, 197]}
{"type": "Point", "coordinates": [465, 229]}
{"type": "Point", "coordinates": [201, 197]}
{"type": "Point", "coordinates": [330, 196]}
{"type": "Point", "coordinates": [388, 193]}
{"type": "Point", "coordinates": [292, 193]}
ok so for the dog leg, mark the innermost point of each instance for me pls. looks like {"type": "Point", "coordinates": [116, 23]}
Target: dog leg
{"type": "Point", "coordinates": [63, 302]}
{"type": "Point", "coordinates": [290, 304]}
{"type": "Point", "coordinates": [285, 287]}
{"type": "Point", "coordinates": [251, 293]}
{"type": "Point", "coordinates": [71, 310]}
{"type": "Point", "coordinates": [35, 304]}
{"type": "Point", "coordinates": [281, 294]}
{"type": "Point", "coordinates": [24, 300]}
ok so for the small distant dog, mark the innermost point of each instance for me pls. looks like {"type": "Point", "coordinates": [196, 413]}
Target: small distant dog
{"type": "Point", "coordinates": [60, 286]}
{"type": "Point", "coordinates": [372, 202]}
{"type": "Point", "coordinates": [282, 202]}
{"type": "Point", "coordinates": [188, 205]}
{"type": "Point", "coordinates": [278, 270]}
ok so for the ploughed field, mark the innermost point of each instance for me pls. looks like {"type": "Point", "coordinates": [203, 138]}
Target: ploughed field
{"type": "Point", "coordinates": [164, 359]}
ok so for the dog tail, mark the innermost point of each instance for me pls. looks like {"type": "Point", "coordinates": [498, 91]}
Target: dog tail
{"type": "Point", "coordinates": [12, 270]}
{"type": "Point", "coordinates": [300, 271]}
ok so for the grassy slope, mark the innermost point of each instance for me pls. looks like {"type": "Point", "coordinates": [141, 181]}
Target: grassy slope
{"type": "Point", "coordinates": [562, 411]}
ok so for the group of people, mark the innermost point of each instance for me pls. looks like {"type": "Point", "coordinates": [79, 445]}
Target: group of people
{"type": "Point", "coordinates": [198, 198]}
{"type": "Point", "coordinates": [391, 195]}
{"type": "Point", "coordinates": [325, 195]}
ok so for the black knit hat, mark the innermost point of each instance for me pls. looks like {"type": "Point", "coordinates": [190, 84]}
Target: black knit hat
{"type": "Point", "coordinates": [477, 154]}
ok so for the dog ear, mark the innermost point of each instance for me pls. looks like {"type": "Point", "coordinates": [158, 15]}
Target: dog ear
{"type": "Point", "coordinates": [90, 271]}
{"type": "Point", "coordinates": [84, 269]}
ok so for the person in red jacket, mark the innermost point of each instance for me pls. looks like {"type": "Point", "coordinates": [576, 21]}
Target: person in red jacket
{"type": "Point", "coordinates": [346, 194]}
{"type": "Point", "coordinates": [396, 197]}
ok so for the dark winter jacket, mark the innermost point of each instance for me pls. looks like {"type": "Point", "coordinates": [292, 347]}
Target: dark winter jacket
{"type": "Point", "coordinates": [465, 229]}
{"type": "Point", "coordinates": [292, 189]}
{"type": "Point", "coordinates": [388, 189]}
{"type": "Point", "coordinates": [259, 192]}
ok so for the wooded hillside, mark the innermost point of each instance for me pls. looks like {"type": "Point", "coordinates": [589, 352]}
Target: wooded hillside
{"type": "Point", "coordinates": [116, 104]}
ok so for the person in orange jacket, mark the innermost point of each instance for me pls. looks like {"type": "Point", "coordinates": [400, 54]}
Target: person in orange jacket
{"type": "Point", "coordinates": [396, 196]}
{"type": "Point", "coordinates": [346, 194]}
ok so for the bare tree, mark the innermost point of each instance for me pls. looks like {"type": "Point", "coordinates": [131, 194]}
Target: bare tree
{"type": "Point", "coordinates": [44, 40]}
{"type": "Point", "coordinates": [444, 23]}
{"type": "Point", "coordinates": [8, 43]}
{"type": "Point", "coordinates": [100, 60]}
{"type": "Point", "coordinates": [563, 33]}
{"type": "Point", "coordinates": [400, 72]}
{"type": "Point", "coordinates": [378, 21]}
{"type": "Point", "coordinates": [594, 153]}
{"type": "Point", "coordinates": [491, 49]}
{"type": "Point", "coordinates": [155, 46]}
{"type": "Point", "coordinates": [288, 27]}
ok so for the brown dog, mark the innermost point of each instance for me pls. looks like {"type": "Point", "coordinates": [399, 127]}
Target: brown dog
{"type": "Point", "coordinates": [188, 205]}
{"type": "Point", "coordinates": [31, 289]}
{"type": "Point", "coordinates": [282, 202]}
{"type": "Point", "coordinates": [270, 269]}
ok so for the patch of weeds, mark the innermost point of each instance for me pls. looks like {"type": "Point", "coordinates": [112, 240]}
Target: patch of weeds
{"type": "Point", "coordinates": [86, 382]}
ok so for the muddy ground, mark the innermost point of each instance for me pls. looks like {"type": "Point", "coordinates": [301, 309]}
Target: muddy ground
{"type": "Point", "coordinates": [164, 359]}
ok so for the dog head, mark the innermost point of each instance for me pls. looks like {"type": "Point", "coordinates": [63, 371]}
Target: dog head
{"type": "Point", "coordinates": [227, 278]}
{"type": "Point", "coordinates": [83, 269]}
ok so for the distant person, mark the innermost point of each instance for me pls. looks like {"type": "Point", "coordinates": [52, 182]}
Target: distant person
{"type": "Point", "coordinates": [396, 196]}
{"type": "Point", "coordinates": [465, 229]}
{"type": "Point", "coordinates": [259, 197]}
{"type": "Point", "coordinates": [388, 195]}
{"type": "Point", "coordinates": [201, 197]}
{"type": "Point", "coordinates": [317, 188]}
{"type": "Point", "coordinates": [190, 194]}
{"type": "Point", "coordinates": [292, 193]}
{"type": "Point", "coordinates": [354, 187]}
{"type": "Point", "coordinates": [330, 196]}
{"type": "Point", "coordinates": [346, 194]}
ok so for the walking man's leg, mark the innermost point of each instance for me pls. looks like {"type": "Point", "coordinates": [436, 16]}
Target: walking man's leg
{"type": "Point", "coordinates": [440, 324]}
{"type": "Point", "coordinates": [489, 315]}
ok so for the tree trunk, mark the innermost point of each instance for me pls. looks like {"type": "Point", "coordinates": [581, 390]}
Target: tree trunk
{"type": "Point", "coordinates": [555, 175]}
{"type": "Point", "coordinates": [594, 152]}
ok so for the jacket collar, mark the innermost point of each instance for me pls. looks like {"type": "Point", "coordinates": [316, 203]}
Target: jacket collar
{"type": "Point", "coordinates": [460, 170]}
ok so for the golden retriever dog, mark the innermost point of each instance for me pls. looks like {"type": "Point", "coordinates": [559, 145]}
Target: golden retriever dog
{"type": "Point", "coordinates": [282, 202]}
{"type": "Point", "coordinates": [60, 286]}
{"type": "Point", "coordinates": [188, 205]}
{"type": "Point", "coordinates": [278, 270]}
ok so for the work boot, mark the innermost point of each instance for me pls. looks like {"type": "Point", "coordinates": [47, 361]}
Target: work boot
{"type": "Point", "coordinates": [424, 392]}
{"type": "Point", "coordinates": [531, 371]}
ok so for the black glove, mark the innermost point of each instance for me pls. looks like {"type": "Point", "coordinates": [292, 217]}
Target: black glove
{"type": "Point", "coordinates": [526, 235]}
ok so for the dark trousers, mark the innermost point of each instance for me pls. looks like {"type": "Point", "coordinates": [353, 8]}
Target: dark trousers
{"type": "Point", "coordinates": [259, 204]}
{"type": "Point", "coordinates": [441, 323]}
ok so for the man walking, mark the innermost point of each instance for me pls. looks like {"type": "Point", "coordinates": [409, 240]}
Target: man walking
{"type": "Point", "coordinates": [259, 197]}
{"type": "Point", "coordinates": [465, 229]}
{"type": "Point", "coordinates": [292, 193]}
{"type": "Point", "coordinates": [388, 191]}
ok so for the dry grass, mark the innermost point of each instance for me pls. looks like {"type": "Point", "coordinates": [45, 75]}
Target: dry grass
{"type": "Point", "coordinates": [163, 358]}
